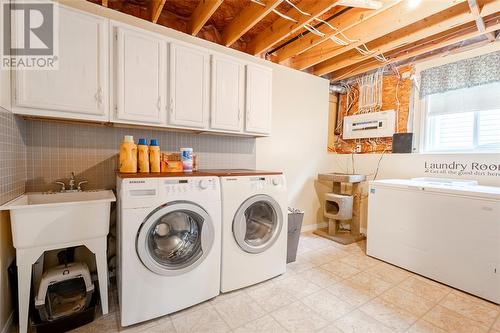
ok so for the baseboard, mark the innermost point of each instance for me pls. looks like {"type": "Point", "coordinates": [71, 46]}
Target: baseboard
{"type": "Point", "coordinates": [8, 324]}
{"type": "Point", "coordinates": [311, 227]}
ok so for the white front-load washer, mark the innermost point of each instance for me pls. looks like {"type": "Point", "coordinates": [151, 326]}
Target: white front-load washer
{"type": "Point", "coordinates": [169, 245]}
{"type": "Point", "coordinates": [254, 229]}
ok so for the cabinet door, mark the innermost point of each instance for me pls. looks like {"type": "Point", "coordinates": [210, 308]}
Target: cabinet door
{"type": "Point", "coordinates": [79, 88]}
{"type": "Point", "coordinates": [258, 100]}
{"type": "Point", "coordinates": [189, 84]}
{"type": "Point", "coordinates": [139, 62]}
{"type": "Point", "coordinates": [227, 96]}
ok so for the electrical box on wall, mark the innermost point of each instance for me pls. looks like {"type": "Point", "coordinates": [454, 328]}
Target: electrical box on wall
{"type": "Point", "coordinates": [370, 125]}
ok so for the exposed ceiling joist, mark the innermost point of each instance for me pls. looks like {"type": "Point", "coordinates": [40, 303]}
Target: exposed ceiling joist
{"type": "Point", "coordinates": [418, 48]}
{"type": "Point", "coordinates": [345, 21]}
{"type": "Point", "coordinates": [367, 4]}
{"type": "Point", "coordinates": [432, 25]}
{"type": "Point", "coordinates": [156, 9]}
{"type": "Point", "coordinates": [390, 20]}
{"type": "Point", "coordinates": [282, 27]}
{"type": "Point", "coordinates": [476, 11]}
{"type": "Point", "coordinates": [201, 14]}
{"type": "Point", "coordinates": [250, 16]}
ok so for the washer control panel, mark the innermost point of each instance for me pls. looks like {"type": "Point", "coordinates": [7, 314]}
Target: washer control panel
{"type": "Point", "coordinates": [189, 185]}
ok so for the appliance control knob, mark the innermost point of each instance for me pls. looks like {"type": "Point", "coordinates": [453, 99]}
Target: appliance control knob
{"type": "Point", "coordinates": [276, 181]}
{"type": "Point", "coordinates": [203, 184]}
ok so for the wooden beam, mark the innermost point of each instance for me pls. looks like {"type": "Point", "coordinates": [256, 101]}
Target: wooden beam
{"type": "Point", "coordinates": [345, 21]}
{"type": "Point", "coordinates": [368, 4]}
{"type": "Point", "coordinates": [248, 17]}
{"type": "Point", "coordinates": [104, 3]}
{"type": "Point", "coordinates": [474, 9]}
{"type": "Point", "coordinates": [418, 48]}
{"type": "Point", "coordinates": [432, 25]}
{"type": "Point", "coordinates": [281, 28]}
{"type": "Point", "coordinates": [390, 20]}
{"type": "Point", "coordinates": [156, 9]}
{"type": "Point", "coordinates": [201, 14]}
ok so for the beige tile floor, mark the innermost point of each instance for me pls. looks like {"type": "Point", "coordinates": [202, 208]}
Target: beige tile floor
{"type": "Point", "coordinates": [330, 288]}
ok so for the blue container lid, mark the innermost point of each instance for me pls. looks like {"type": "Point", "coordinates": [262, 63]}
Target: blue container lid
{"type": "Point", "coordinates": [154, 142]}
{"type": "Point", "coordinates": [143, 141]}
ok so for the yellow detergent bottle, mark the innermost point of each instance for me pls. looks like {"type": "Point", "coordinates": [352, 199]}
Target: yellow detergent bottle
{"type": "Point", "coordinates": [143, 151]}
{"type": "Point", "coordinates": [128, 155]}
{"type": "Point", "coordinates": [154, 156]}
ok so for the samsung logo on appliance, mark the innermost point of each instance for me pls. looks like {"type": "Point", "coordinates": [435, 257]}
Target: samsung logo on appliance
{"type": "Point", "coordinates": [137, 182]}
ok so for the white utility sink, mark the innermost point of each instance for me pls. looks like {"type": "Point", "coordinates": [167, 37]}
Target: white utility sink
{"type": "Point", "coordinates": [47, 221]}
{"type": "Point", "coordinates": [50, 218]}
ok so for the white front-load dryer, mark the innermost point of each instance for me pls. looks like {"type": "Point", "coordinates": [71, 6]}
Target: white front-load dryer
{"type": "Point", "coordinates": [254, 229]}
{"type": "Point", "coordinates": [169, 242]}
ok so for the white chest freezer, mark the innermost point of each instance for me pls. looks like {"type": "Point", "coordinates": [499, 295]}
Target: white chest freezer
{"type": "Point", "coordinates": [448, 231]}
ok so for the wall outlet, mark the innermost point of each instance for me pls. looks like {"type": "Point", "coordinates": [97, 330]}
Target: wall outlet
{"type": "Point", "coordinates": [358, 148]}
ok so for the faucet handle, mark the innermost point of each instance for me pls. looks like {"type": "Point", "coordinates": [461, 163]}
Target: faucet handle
{"type": "Point", "coordinates": [63, 186]}
{"type": "Point", "coordinates": [79, 187]}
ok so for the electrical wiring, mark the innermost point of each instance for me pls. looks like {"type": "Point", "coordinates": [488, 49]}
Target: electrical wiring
{"type": "Point", "coordinates": [326, 22]}
{"type": "Point", "coordinates": [378, 164]}
{"type": "Point", "coordinates": [362, 49]}
{"type": "Point", "coordinates": [370, 92]}
{"type": "Point", "coordinates": [284, 16]}
{"type": "Point", "coordinates": [313, 30]}
{"type": "Point", "coordinates": [352, 161]}
{"type": "Point", "coordinates": [347, 38]}
{"type": "Point", "coordinates": [258, 2]}
{"type": "Point", "coordinates": [297, 8]}
{"type": "Point", "coordinates": [339, 41]}
{"type": "Point", "coordinates": [398, 75]}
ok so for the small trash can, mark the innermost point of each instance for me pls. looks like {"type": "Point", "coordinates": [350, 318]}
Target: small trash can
{"type": "Point", "coordinates": [295, 218]}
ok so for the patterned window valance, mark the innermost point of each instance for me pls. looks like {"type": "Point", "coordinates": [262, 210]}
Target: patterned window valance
{"type": "Point", "coordinates": [461, 74]}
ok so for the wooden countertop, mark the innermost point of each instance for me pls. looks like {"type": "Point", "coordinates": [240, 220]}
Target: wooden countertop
{"type": "Point", "coordinates": [164, 174]}
{"type": "Point", "coordinates": [201, 173]}
{"type": "Point", "coordinates": [241, 172]}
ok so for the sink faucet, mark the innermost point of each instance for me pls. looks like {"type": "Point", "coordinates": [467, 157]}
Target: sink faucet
{"type": "Point", "coordinates": [71, 184]}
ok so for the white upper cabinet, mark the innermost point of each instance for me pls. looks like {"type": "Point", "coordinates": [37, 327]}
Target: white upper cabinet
{"type": "Point", "coordinates": [79, 88]}
{"type": "Point", "coordinates": [227, 94]}
{"type": "Point", "coordinates": [258, 100]}
{"type": "Point", "coordinates": [139, 62]}
{"type": "Point", "coordinates": [189, 87]}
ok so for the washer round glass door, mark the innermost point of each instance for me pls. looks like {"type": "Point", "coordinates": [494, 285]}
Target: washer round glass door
{"type": "Point", "coordinates": [175, 238]}
{"type": "Point", "coordinates": [257, 223]}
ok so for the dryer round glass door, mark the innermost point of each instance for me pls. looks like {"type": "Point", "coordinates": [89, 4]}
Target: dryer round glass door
{"type": "Point", "coordinates": [257, 224]}
{"type": "Point", "coordinates": [175, 238]}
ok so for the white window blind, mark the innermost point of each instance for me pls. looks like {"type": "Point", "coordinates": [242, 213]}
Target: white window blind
{"type": "Point", "coordinates": [464, 120]}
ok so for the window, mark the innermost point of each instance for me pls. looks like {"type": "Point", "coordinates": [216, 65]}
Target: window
{"type": "Point", "coordinates": [464, 120]}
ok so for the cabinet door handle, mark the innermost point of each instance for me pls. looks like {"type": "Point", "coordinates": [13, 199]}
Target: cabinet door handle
{"type": "Point", "coordinates": [239, 115]}
{"type": "Point", "coordinates": [248, 116]}
{"type": "Point", "coordinates": [158, 103]}
{"type": "Point", "coordinates": [171, 105]}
